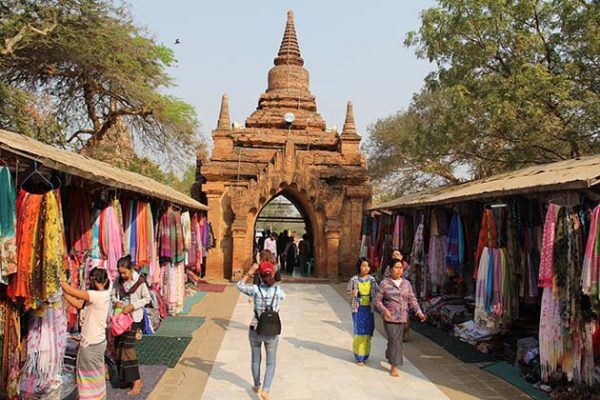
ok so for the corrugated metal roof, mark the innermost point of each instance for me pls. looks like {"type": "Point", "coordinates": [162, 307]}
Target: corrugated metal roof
{"type": "Point", "coordinates": [94, 170]}
{"type": "Point", "coordinates": [575, 174]}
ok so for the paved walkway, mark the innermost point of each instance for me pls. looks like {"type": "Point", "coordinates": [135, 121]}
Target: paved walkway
{"type": "Point", "coordinates": [314, 359]}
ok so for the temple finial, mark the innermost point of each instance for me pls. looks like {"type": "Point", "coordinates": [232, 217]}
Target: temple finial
{"type": "Point", "coordinates": [224, 122]}
{"type": "Point", "coordinates": [349, 124]}
{"type": "Point", "coordinates": [289, 51]}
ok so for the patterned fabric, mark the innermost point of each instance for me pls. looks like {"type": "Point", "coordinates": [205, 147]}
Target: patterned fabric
{"type": "Point", "coordinates": [8, 221]}
{"type": "Point", "coordinates": [126, 357]}
{"type": "Point", "coordinates": [364, 326]}
{"type": "Point", "coordinates": [591, 260]}
{"type": "Point", "coordinates": [91, 384]}
{"type": "Point", "coordinates": [487, 235]}
{"type": "Point", "coordinates": [546, 272]}
{"type": "Point", "coordinates": [263, 296]}
{"type": "Point", "coordinates": [397, 300]}
{"type": "Point", "coordinates": [370, 289]}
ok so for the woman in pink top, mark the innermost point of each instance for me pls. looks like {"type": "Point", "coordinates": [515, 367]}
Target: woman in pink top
{"type": "Point", "coordinates": [393, 301]}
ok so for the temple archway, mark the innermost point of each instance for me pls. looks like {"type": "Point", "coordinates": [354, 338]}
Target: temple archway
{"type": "Point", "coordinates": [285, 212]}
{"type": "Point", "coordinates": [284, 149]}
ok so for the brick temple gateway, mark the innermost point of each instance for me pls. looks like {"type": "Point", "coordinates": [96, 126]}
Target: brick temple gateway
{"type": "Point", "coordinates": [286, 150]}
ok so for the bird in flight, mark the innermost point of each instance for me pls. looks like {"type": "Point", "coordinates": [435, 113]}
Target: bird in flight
{"type": "Point", "coordinates": [177, 41]}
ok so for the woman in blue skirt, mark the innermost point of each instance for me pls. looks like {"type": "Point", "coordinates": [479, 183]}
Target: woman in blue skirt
{"type": "Point", "coordinates": [362, 288]}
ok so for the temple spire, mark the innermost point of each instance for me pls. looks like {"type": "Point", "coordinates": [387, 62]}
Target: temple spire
{"type": "Point", "coordinates": [289, 51]}
{"type": "Point", "coordinates": [224, 122]}
{"type": "Point", "coordinates": [349, 124]}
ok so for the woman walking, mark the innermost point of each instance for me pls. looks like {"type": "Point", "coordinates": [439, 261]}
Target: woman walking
{"type": "Point", "coordinates": [267, 296]}
{"type": "Point", "coordinates": [393, 300]}
{"type": "Point", "coordinates": [362, 288]}
{"type": "Point", "coordinates": [95, 305]}
{"type": "Point", "coordinates": [130, 294]}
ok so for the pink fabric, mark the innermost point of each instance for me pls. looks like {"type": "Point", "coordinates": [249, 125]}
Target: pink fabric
{"type": "Point", "coordinates": [591, 261]}
{"type": "Point", "coordinates": [546, 273]}
{"type": "Point", "coordinates": [115, 242]}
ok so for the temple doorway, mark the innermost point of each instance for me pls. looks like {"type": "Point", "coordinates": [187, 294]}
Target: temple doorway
{"type": "Point", "coordinates": [294, 236]}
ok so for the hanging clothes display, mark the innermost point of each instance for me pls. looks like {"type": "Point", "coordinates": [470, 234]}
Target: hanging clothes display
{"type": "Point", "coordinates": [111, 237]}
{"type": "Point", "coordinates": [436, 259]}
{"type": "Point", "coordinates": [11, 349]}
{"type": "Point", "coordinates": [417, 261]}
{"type": "Point", "coordinates": [493, 290]}
{"type": "Point", "coordinates": [46, 342]}
{"type": "Point", "coordinates": [8, 221]}
{"type": "Point", "coordinates": [80, 226]}
{"type": "Point", "coordinates": [41, 248]}
{"type": "Point", "coordinates": [591, 259]}
{"type": "Point", "coordinates": [139, 239]}
{"type": "Point", "coordinates": [566, 331]}
{"type": "Point", "coordinates": [195, 253]}
{"type": "Point", "coordinates": [171, 252]}
{"type": "Point", "coordinates": [455, 257]}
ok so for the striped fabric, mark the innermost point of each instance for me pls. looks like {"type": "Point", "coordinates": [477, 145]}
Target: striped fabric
{"type": "Point", "coordinates": [91, 384]}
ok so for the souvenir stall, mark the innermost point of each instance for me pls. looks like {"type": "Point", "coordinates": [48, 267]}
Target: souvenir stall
{"type": "Point", "coordinates": [61, 215]}
{"type": "Point", "coordinates": [511, 264]}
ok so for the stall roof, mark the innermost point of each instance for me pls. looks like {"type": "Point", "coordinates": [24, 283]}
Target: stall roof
{"type": "Point", "coordinates": [94, 170]}
{"type": "Point", "coordinates": [575, 174]}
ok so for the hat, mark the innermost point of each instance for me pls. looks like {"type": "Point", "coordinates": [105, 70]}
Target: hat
{"type": "Point", "coordinates": [265, 266]}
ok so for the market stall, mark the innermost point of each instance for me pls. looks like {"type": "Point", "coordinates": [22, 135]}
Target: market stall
{"type": "Point", "coordinates": [61, 215]}
{"type": "Point", "coordinates": [509, 263]}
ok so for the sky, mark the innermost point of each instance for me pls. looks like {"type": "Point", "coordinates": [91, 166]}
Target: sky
{"type": "Point", "coordinates": [353, 51]}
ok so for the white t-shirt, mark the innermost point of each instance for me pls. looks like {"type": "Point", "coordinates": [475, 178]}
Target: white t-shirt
{"type": "Point", "coordinates": [397, 282]}
{"type": "Point", "coordinates": [94, 316]}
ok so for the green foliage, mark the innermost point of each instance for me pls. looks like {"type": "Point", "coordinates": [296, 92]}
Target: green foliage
{"type": "Point", "coordinates": [96, 67]}
{"type": "Point", "coordinates": [147, 167]}
{"type": "Point", "coordinates": [517, 83]}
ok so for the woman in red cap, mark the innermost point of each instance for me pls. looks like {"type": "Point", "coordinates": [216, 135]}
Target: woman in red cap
{"type": "Point", "coordinates": [267, 296]}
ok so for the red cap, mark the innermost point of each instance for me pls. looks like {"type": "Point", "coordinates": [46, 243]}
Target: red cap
{"type": "Point", "coordinates": [265, 266]}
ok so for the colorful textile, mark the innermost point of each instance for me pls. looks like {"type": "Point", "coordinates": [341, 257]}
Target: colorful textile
{"type": "Point", "coordinates": [41, 250]}
{"type": "Point", "coordinates": [91, 383]}
{"type": "Point", "coordinates": [364, 326]}
{"type": "Point", "coordinates": [546, 271]}
{"type": "Point", "coordinates": [591, 259]}
{"type": "Point", "coordinates": [487, 235]}
{"type": "Point", "coordinates": [170, 236]}
{"type": "Point", "coordinates": [493, 296]}
{"type": "Point", "coordinates": [8, 221]}
{"type": "Point", "coordinates": [46, 342]}
{"type": "Point", "coordinates": [80, 233]}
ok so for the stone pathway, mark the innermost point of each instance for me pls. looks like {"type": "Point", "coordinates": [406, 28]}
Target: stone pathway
{"type": "Point", "coordinates": [314, 359]}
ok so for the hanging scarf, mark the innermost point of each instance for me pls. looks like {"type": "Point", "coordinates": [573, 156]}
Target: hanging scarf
{"type": "Point", "coordinates": [46, 342]}
{"type": "Point", "coordinates": [487, 235]}
{"type": "Point", "coordinates": [8, 221]}
{"type": "Point", "coordinates": [546, 261]}
{"type": "Point", "coordinates": [80, 235]}
{"type": "Point", "coordinates": [591, 260]}
{"type": "Point", "coordinates": [456, 244]}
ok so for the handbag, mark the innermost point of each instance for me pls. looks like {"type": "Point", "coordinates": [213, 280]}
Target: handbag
{"type": "Point", "coordinates": [120, 323]}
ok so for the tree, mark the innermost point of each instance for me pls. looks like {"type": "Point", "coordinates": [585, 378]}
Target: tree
{"type": "Point", "coordinates": [517, 83]}
{"type": "Point", "coordinates": [94, 67]}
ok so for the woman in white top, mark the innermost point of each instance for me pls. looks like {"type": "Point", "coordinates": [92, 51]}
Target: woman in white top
{"type": "Point", "coordinates": [95, 305]}
{"type": "Point", "coordinates": [131, 294]}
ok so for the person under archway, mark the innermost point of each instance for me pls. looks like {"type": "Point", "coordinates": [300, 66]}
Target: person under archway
{"type": "Point", "coordinates": [304, 254]}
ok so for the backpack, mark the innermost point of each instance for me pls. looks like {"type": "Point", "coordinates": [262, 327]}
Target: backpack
{"type": "Point", "coordinates": [269, 323]}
